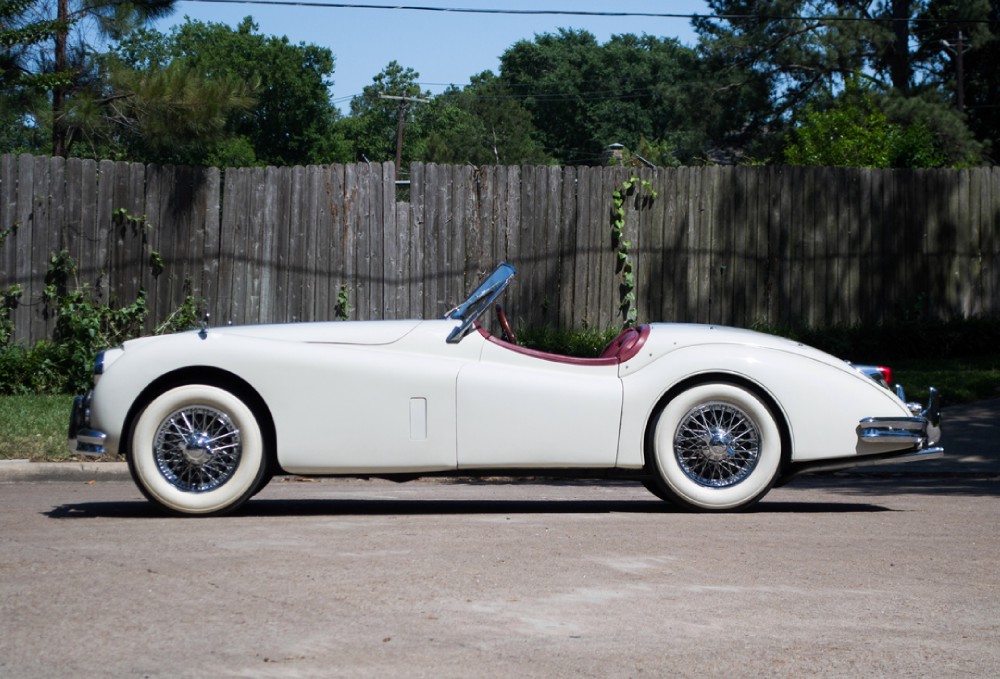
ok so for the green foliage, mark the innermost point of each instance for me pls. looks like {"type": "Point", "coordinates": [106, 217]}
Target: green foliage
{"type": "Point", "coordinates": [583, 95]}
{"type": "Point", "coordinates": [85, 324]}
{"type": "Point", "coordinates": [981, 80]}
{"type": "Point", "coordinates": [174, 112]}
{"type": "Point", "coordinates": [958, 357]}
{"type": "Point", "coordinates": [267, 98]}
{"type": "Point", "coordinates": [9, 298]}
{"type": "Point", "coordinates": [644, 195]}
{"type": "Point", "coordinates": [855, 133]}
{"type": "Point", "coordinates": [581, 343]}
{"type": "Point", "coordinates": [53, 55]}
{"type": "Point", "coordinates": [908, 337]}
{"type": "Point", "coordinates": [374, 122]}
{"type": "Point", "coordinates": [483, 124]}
{"type": "Point", "coordinates": [24, 29]}
{"type": "Point", "coordinates": [958, 380]}
{"type": "Point", "coordinates": [342, 309]}
{"type": "Point", "coordinates": [784, 62]}
{"type": "Point", "coordinates": [37, 369]}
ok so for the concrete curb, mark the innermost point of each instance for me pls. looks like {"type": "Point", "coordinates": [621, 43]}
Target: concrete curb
{"type": "Point", "coordinates": [14, 471]}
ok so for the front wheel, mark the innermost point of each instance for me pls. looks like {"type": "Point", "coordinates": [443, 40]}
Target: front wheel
{"type": "Point", "coordinates": [715, 447]}
{"type": "Point", "coordinates": [197, 449]}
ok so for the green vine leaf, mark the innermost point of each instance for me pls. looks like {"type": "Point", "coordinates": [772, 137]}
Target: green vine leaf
{"type": "Point", "coordinates": [623, 246]}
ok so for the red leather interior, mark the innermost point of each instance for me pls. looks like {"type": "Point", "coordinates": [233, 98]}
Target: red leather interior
{"type": "Point", "coordinates": [619, 350]}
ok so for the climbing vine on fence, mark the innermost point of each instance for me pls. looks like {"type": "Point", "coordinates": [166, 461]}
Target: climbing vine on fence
{"type": "Point", "coordinates": [642, 191]}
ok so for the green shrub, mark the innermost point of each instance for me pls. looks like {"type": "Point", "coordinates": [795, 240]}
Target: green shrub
{"type": "Point", "coordinates": [85, 324]}
{"type": "Point", "coordinates": [581, 343]}
{"type": "Point", "coordinates": [31, 370]}
{"type": "Point", "coordinates": [903, 339]}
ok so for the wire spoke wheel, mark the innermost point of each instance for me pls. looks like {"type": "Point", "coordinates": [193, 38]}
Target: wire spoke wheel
{"type": "Point", "coordinates": [717, 445]}
{"type": "Point", "coordinates": [197, 449]}
{"type": "Point", "coordinates": [714, 446]}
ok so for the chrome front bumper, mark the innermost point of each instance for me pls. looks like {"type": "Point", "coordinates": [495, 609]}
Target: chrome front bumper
{"type": "Point", "coordinates": [83, 440]}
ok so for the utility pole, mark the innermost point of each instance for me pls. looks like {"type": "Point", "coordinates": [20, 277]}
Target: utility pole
{"type": "Point", "coordinates": [958, 49]}
{"type": "Point", "coordinates": [403, 104]}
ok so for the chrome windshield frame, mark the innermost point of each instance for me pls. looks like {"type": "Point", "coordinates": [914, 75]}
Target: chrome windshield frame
{"type": "Point", "coordinates": [479, 301]}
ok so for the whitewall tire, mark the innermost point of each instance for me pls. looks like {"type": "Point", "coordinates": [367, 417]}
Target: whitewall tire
{"type": "Point", "coordinates": [197, 449]}
{"type": "Point", "coordinates": [715, 446]}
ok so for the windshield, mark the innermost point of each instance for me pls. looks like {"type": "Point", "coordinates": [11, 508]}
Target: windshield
{"type": "Point", "coordinates": [480, 300]}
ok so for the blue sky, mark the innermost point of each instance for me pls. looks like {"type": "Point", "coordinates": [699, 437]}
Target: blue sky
{"type": "Point", "coordinates": [443, 47]}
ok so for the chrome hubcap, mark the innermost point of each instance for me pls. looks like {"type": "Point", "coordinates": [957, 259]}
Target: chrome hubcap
{"type": "Point", "coordinates": [197, 448]}
{"type": "Point", "coordinates": [717, 445]}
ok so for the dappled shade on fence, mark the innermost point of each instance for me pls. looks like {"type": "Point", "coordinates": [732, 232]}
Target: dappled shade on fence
{"type": "Point", "coordinates": [728, 245]}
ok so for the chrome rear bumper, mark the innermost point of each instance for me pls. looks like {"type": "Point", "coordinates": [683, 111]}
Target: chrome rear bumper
{"type": "Point", "coordinates": [916, 436]}
{"type": "Point", "coordinates": [923, 430]}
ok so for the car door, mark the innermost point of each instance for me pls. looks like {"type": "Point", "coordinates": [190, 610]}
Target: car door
{"type": "Point", "coordinates": [521, 411]}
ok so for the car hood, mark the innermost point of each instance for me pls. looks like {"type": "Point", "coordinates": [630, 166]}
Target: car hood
{"type": "Point", "coordinates": [333, 332]}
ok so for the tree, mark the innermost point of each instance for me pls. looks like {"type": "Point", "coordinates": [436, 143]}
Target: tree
{"type": "Point", "coordinates": [174, 114]}
{"type": "Point", "coordinates": [801, 52]}
{"type": "Point", "coordinates": [23, 89]}
{"type": "Point", "coordinates": [583, 96]}
{"type": "Point", "coordinates": [482, 124]}
{"type": "Point", "coordinates": [388, 111]}
{"type": "Point", "coordinates": [960, 41]}
{"type": "Point", "coordinates": [856, 133]}
{"type": "Point", "coordinates": [107, 17]}
{"type": "Point", "coordinates": [291, 120]}
{"type": "Point", "coordinates": [557, 77]}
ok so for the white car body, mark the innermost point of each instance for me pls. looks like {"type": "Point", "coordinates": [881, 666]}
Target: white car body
{"type": "Point", "coordinates": [436, 396]}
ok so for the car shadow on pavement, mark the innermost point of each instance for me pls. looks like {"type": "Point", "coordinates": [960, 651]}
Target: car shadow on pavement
{"type": "Point", "coordinates": [263, 508]}
{"type": "Point", "coordinates": [852, 483]}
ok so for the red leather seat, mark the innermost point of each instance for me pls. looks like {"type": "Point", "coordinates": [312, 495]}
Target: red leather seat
{"type": "Point", "coordinates": [626, 338]}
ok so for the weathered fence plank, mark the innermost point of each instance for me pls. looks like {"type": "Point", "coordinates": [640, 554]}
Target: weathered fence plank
{"type": "Point", "coordinates": [720, 245]}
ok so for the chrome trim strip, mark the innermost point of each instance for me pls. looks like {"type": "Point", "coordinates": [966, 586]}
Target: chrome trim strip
{"type": "Point", "coordinates": [891, 436]}
{"type": "Point", "coordinates": [911, 430]}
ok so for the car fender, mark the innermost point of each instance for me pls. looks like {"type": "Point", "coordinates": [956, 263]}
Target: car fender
{"type": "Point", "coordinates": [335, 407]}
{"type": "Point", "coordinates": [819, 402]}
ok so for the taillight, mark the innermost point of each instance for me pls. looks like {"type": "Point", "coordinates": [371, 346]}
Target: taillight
{"type": "Point", "coordinates": [886, 373]}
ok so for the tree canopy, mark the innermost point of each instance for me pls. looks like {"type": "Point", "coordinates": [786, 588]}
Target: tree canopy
{"type": "Point", "coordinates": [876, 83]}
{"type": "Point", "coordinates": [284, 115]}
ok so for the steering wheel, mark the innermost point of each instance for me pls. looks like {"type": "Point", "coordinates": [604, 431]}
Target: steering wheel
{"type": "Point", "coordinates": [507, 333]}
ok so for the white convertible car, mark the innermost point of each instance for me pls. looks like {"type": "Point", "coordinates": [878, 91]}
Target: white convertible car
{"type": "Point", "coordinates": [706, 417]}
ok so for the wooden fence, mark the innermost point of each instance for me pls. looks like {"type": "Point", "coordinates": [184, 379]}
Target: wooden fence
{"type": "Point", "coordinates": [730, 245]}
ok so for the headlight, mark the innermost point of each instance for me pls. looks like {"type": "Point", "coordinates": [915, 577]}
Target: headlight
{"type": "Point", "coordinates": [104, 360]}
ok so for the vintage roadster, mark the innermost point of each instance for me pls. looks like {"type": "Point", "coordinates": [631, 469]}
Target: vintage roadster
{"type": "Point", "coordinates": [706, 417]}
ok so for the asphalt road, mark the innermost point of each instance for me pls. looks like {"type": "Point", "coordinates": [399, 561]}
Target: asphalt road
{"type": "Point", "coordinates": [843, 576]}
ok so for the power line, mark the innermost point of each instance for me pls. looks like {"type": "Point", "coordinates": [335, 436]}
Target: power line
{"type": "Point", "coordinates": [586, 13]}
{"type": "Point", "coordinates": [458, 10]}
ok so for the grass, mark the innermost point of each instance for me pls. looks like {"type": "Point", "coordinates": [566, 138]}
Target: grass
{"type": "Point", "coordinates": [958, 380]}
{"type": "Point", "coordinates": [34, 427]}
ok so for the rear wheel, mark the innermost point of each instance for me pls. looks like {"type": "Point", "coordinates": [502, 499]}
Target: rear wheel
{"type": "Point", "coordinates": [715, 447]}
{"type": "Point", "coordinates": [197, 449]}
